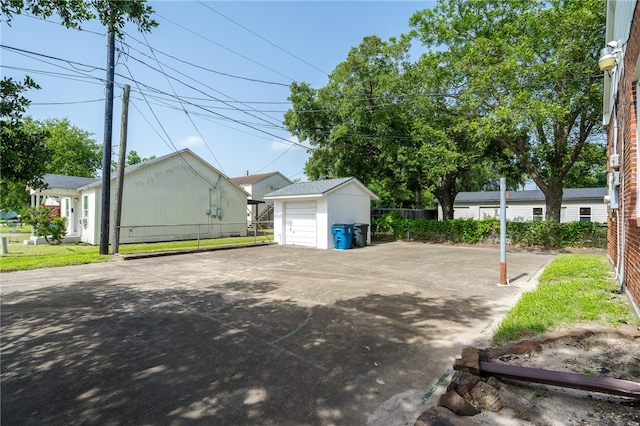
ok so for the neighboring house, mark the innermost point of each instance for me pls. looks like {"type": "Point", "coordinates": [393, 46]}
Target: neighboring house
{"type": "Point", "coordinates": [305, 212]}
{"type": "Point", "coordinates": [175, 197]}
{"type": "Point", "coordinates": [258, 186]}
{"type": "Point", "coordinates": [621, 114]}
{"type": "Point", "coordinates": [579, 204]}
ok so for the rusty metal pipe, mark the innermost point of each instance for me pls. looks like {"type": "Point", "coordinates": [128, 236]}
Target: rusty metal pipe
{"type": "Point", "coordinates": [568, 380]}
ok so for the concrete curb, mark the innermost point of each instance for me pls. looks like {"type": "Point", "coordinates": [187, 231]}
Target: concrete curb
{"type": "Point", "coordinates": [132, 256]}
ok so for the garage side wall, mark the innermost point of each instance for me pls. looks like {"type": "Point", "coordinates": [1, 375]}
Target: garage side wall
{"type": "Point", "coordinates": [348, 205]}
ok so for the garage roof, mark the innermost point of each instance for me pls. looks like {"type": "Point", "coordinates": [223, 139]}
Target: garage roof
{"type": "Point", "coordinates": [316, 188]}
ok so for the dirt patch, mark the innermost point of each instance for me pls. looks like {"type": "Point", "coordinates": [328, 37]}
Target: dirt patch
{"type": "Point", "coordinates": [593, 352]}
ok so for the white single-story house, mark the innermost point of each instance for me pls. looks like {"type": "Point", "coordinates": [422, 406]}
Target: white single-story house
{"type": "Point", "coordinates": [305, 212]}
{"type": "Point", "coordinates": [174, 197]}
{"type": "Point", "coordinates": [578, 204]}
{"type": "Point", "coordinates": [258, 186]}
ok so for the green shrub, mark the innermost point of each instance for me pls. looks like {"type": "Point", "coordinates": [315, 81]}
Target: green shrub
{"type": "Point", "coordinates": [470, 231]}
{"type": "Point", "coordinates": [46, 224]}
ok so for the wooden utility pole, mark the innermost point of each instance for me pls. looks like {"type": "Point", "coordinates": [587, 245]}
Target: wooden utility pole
{"type": "Point", "coordinates": [106, 151]}
{"type": "Point", "coordinates": [117, 214]}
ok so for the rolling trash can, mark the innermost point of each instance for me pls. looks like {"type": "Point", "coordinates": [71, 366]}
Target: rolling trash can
{"type": "Point", "coordinates": [342, 236]}
{"type": "Point", "coordinates": [360, 234]}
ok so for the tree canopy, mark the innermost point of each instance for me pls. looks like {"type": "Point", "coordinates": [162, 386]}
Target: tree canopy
{"type": "Point", "coordinates": [393, 124]}
{"type": "Point", "coordinates": [72, 13]}
{"type": "Point", "coordinates": [69, 151]}
{"type": "Point", "coordinates": [23, 152]}
{"type": "Point", "coordinates": [529, 69]}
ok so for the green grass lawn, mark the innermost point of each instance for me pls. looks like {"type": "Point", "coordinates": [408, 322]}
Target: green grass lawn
{"type": "Point", "coordinates": [573, 289]}
{"type": "Point", "coordinates": [23, 257]}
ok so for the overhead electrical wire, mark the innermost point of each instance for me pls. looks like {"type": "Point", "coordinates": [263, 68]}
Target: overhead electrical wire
{"type": "Point", "coordinates": [185, 110]}
{"type": "Point", "coordinates": [224, 47]}
{"type": "Point", "coordinates": [256, 80]}
{"type": "Point", "coordinates": [262, 38]}
{"type": "Point", "coordinates": [175, 149]}
{"type": "Point", "coordinates": [197, 81]}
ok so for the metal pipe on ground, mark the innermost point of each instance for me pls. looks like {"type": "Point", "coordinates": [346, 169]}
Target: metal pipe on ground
{"type": "Point", "coordinates": [568, 380]}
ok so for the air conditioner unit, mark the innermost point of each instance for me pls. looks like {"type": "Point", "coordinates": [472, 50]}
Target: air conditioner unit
{"type": "Point", "coordinates": [614, 161]}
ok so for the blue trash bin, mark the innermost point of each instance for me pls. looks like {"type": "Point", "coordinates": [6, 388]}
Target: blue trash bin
{"type": "Point", "coordinates": [342, 236]}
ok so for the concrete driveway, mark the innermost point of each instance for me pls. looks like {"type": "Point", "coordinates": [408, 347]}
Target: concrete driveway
{"type": "Point", "coordinates": [267, 335]}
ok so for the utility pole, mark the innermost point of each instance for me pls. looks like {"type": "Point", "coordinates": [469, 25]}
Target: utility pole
{"type": "Point", "coordinates": [117, 214]}
{"type": "Point", "coordinates": [106, 152]}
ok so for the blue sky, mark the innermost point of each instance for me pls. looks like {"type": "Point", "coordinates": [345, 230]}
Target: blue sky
{"type": "Point", "coordinates": [233, 123]}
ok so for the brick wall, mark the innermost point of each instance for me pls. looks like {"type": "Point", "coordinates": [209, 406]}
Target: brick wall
{"type": "Point", "coordinates": [628, 136]}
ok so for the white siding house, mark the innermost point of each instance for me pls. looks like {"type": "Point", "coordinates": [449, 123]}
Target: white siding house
{"type": "Point", "coordinates": [258, 186]}
{"type": "Point", "coordinates": [174, 197]}
{"type": "Point", "coordinates": [305, 212]}
{"type": "Point", "coordinates": [578, 204]}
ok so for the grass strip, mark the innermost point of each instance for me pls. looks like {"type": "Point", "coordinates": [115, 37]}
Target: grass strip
{"type": "Point", "coordinates": [23, 257]}
{"type": "Point", "coordinates": [574, 289]}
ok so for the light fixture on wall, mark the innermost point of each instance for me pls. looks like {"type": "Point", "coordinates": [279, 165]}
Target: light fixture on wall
{"type": "Point", "coordinates": [609, 56]}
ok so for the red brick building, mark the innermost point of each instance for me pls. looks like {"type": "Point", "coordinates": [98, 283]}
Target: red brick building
{"type": "Point", "coordinates": [621, 81]}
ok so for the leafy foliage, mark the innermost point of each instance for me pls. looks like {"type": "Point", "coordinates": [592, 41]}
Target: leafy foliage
{"type": "Point", "coordinates": [470, 231]}
{"type": "Point", "coordinates": [112, 14]}
{"type": "Point", "coordinates": [132, 158]}
{"type": "Point", "coordinates": [69, 151]}
{"type": "Point", "coordinates": [23, 153]}
{"type": "Point", "coordinates": [378, 120]}
{"type": "Point", "coordinates": [46, 223]}
{"type": "Point", "coordinates": [528, 71]}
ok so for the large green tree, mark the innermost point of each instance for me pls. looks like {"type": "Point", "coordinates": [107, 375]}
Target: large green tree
{"type": "Point", "coordinates": [74, 151]}
{"type": "Point", "coordinates": [393, 124]}
{"type": "Point", "coordinates": [23, 153]}
{"type": "Point", "coordinates": [69, 151]}
{"type": "Point", "coordinates": [529, 72]}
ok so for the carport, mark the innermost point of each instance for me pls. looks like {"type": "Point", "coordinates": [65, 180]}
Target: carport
{"type": "Point", "coordinates": [306, 211]}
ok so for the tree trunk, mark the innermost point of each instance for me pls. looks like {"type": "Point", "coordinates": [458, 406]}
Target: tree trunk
{"type": "Point", "coordinates": [417, 198]}
{"type": "Point", "coordinates": [446, 195]}
{"type": "Point", "coordinates": [553, 199]}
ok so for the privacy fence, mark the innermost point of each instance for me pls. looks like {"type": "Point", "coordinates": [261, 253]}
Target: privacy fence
{"type": "Point", "coordinates": [539, 233]}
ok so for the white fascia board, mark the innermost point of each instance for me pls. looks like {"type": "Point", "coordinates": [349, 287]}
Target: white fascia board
{"type": "Point", "coordinates": [290, 197]}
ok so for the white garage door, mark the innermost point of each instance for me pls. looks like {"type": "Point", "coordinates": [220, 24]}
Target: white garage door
{"type": "Point", "coordinates": [300, 223]}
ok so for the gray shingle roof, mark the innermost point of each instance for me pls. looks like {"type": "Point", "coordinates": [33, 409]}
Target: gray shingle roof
{"type": "Point", "coordinates": [316, 187]}
{"type": "Point", "coordinates": [251, 179]}
{"type": "Point", "coordinates": [531, 195]}
{"type": "Point", "coordinates": [67, 182]}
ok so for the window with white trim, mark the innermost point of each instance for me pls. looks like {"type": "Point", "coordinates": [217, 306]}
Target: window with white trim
{"type": "Point", "coordinates": [537, 214]}
{"type": "Point", "coordinates": [66, 207]}
{"type": "Point", "coordinates": [85, 206]}
{"type": "Point", "coordinates": [585, 214]}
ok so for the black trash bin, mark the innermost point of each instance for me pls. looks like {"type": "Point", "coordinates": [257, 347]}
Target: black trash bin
{"type": "Point", "coordinates": [360, 234]}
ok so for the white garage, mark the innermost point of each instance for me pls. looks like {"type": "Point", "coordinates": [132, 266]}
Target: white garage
{"type": "Point", "coordinates": [305, 212]}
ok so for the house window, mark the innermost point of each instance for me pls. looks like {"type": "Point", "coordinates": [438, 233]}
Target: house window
{"type": "Point", "coordinates": [537, 213]}
{"type": "Point", "coordinates": [66, 207]}
{"type": "Point", "coordinates": [585, 214]}
{"type": "Point", "coordinates": [85, 206]}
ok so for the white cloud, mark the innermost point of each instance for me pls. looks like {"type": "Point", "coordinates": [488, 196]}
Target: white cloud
{"type": "Point", "coordinates": [191, 142]}
{"type": "Point", "coordinates": [281, 145]}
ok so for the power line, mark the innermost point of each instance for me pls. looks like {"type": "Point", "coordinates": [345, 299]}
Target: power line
{"type": "Point", "coordinates": [205, 68]}
{"type": "Point", "coordinates": [184, 109]}
{"type": "Point", "coordinates": [193, 88]}
{"type": "Point", "coordinates": [262, 38]}
{"type": "Point", "coordinates": [224, 47]}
